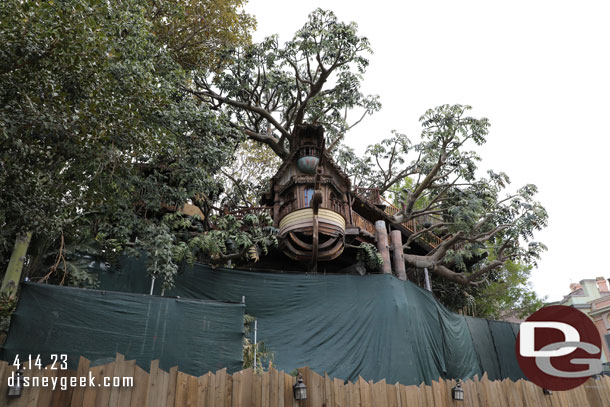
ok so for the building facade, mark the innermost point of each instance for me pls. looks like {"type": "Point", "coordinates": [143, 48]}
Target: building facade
{"type": "Point", "coordinates": [592, 297]}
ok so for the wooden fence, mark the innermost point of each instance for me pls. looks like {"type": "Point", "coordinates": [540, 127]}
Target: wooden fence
{"type": "Point", "coordinates": [274, 388]}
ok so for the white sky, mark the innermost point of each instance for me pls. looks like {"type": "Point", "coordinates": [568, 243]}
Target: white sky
{"type": "Point", "coordinates": [539, 70]}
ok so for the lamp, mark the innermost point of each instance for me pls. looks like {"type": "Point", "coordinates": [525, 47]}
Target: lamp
{"type": "Point", "coordinates": [547, 392]}
{"type": "Point", "coordinates": [15, 386]}
{"type": "Point", "coordinates": [457, 393]}
{"type": "Point", "coordinates": [299, 389]}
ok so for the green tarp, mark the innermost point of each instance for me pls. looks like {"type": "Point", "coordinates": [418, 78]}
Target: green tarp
{"type": "Point", "coordinates": [196, 335]}
{"type": "Point", "coordinates": [374, 326]}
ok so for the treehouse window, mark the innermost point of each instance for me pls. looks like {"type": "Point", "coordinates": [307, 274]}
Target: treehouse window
{"type": "Point", "coordinates": [307, 195]}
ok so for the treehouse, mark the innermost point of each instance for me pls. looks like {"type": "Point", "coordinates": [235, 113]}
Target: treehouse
{"type": "Point", "coordinates": [320, 217]}
{"type": "Point", "coordinates": [309, 197]}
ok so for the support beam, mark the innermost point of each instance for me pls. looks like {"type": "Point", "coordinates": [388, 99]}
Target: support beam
{"type": "Point", "coordinates": [398, 256]}
{"type": "Point", "coordinates": [381, 234]}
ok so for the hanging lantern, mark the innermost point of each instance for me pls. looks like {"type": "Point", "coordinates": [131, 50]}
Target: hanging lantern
{"type": "Point", "coordinates": [15, 388]}
{"type": "Point", "coordinates": [299, 389]}
{"type": "Point", "coordinates": [457, 393]}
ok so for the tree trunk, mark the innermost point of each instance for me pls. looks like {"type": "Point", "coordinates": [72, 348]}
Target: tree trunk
{"type": "Point", "coordinates": [398, 256]}
{"type": "Point", "coordinates": [15, 265]}
{"type": "Point", "coordinates": [382, 246]}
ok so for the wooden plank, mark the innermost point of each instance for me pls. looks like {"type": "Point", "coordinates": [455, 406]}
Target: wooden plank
{"type": "Point", "coordinates": [125, 390]}
{"type": "Point", "coordinates": [140, 387]}
{"type": "Point", "coordinates": [289, 381]}
{"type": "Point", "coordinates": [162, 388]}
{"type": "Point", "coordinates": [34, 390]}
{"type": "Point", "coordinates": [395, 397]}
{"type": "Point", "coordinates": [46, 393]}
{"type": "Point", "coordinates": [229, 391]}
{"type": "Point", "coordinates": [256, 390]}
{"type": "Point", "coordinates": [219, 388]}
{"type": "Point", "coordinates": [593, 394]}
{"type": "Point", "coordinates": [264, 392]}
{"type": "Point", "coordinates": [329, 399]}
{"type": "Point", "coordinates": [117, 372]}
{"type": "Point", "coordinates": [235, 390]}
{"type": "Point", "coordinates": [153, 384]}
{"type": "Point", "coordinates": [355, 396]}
{"type": "Point", "coordinates": [429, 393]}
{"type": "Point", "coordinates": [483, 388]}
{"type": "Point", "coordinates": [365, 393]}
{"type": "Point", "coordinates": [409, 395]}
{"type": "Point", "coordinates": [102, 397]}
{"type": "Point", "coordinates": [180, 389]}
{"type": "Point", "coordinates": [211, 390]}
{"type": "Point", "coordinates": [202, 389]}
{"type": "Point", "coordinates": [62, 397]}
{"type": "Point", "coordinates": [192, 391]}
{"type": "Point", "coordinates": [273, 388]}
{"type": "Point", "coordinates": [437, 394]}
{"type": "Point", "coordinates": [379, 393]}
{"type": "Point", "coordinates": [79, 392]}
{"type": "Point", "coordinates": [317, 389]}
{"type": "Point", "coordinates": [171, 387]}
{"type": "Point", "coordinates": [245, 390]}
{"type": "Point", "coordinates": [338, 393]}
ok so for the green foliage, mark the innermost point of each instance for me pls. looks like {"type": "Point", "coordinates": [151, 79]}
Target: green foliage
{"type": "Point", "coordinates": [485, 225]}
{"type": "Point", "coordinates": [268, 89]}
{"type": "Point", "coordinates": [368, 254]}
{"type": "Point", "coordinates": [263, 355]}
{"type": "Point", "coordinates": [508, 293]}
{"type": "Point", "coordinates": [98, 136]}
{"type": "Point", "coordinates": [7, 307]}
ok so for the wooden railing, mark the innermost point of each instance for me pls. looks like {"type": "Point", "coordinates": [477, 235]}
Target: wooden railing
{"type": "Point", "coordinates": [413, 226]}
{"type": "Point", "coordinates": [362, 223]}
{"type": "Point", "coordinates": [158, 388]}
{"type": "Point", "coordinates": [371, 194]}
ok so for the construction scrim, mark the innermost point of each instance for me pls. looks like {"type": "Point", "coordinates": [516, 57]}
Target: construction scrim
{"type": "Point", "coordinates": [197, 335]}
{"type": "Point", "coordinates": [375, 326]}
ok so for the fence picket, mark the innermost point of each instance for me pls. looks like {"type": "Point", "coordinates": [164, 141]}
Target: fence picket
{"type": "Point", "coordinates": [275, 389]}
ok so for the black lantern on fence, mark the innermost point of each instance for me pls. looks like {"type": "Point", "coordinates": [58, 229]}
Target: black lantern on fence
{"type": "Point", "coordinates": [457, 393]}
{"type": "Point", "coordinates": [547, 392]}
{"type": "Point", "coordinates": [299, 389]}
{"type": "Point", "coordinates": [15, 388]}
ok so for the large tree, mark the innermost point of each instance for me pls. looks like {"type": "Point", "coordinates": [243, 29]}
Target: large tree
{"type": "Point", "coordinates": [97, 134]}
{"type": "Point", "coordinates": [440, 191]}
{"type": "Point", "coordinates": [268, 89]}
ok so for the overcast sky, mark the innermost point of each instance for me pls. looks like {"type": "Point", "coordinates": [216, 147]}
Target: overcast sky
{"type": "Point", "coordinates": [538, 70]}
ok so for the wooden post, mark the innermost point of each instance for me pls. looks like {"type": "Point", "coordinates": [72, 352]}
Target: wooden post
{"type": "Point", "coordinates": [382, 246]}
{"type": "Point", "coordinates": [398, 255]}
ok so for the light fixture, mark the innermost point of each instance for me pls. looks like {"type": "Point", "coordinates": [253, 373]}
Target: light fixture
{"type": "Point", "coordinates": [457, 393]}
{"type": "Point", "coordinates": [547, 392]}
{"type": "Point", "coordinates": [299, 389]}
{"type": "Point", "coordinates": [15, 388]}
